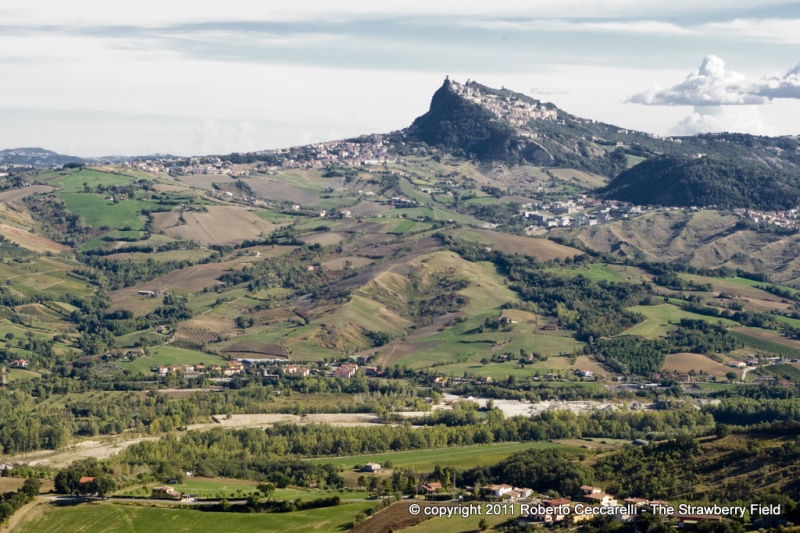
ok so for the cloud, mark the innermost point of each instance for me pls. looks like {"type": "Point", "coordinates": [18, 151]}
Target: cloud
{"type": "Point", "coordinates": [786, 86]}
{"type": "Point", "coordinates": [763, 30]}
{"type": "Point", "coordinates": [705, 119]}
{"type": "Point", "coordinates": [546, 92]}
{"type": "Point", "coordinates": [710, 85]}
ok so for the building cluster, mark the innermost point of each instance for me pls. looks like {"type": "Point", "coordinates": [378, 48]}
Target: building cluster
{"type": "Point", "coordinates": [515, 111]}
{"type": "Point", "coordinates": [789, 218]}
{"type": "Point", "coordinates": [595, 502]}
{"type": "Point", "coordinates": [578, 211]}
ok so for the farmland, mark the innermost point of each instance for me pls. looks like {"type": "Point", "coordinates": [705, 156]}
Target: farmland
{"type": "Point", "coordinates": [101, 213]}
{"type": "Point", "coordinates": [167, 355]}
{"type": "Point", "coordinates": [426, 460]}
{"type": "Point", "coordinates": [687, 362]}
{"type": "Point", "coordinates": [661, 319]}
{"type": "Point", "coordinates": [220, 225]}
{"type": "Point", "coordinates": [108, 517]}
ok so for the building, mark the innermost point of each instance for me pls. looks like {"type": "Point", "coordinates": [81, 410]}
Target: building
{"type": "Point", "coordinates": [640, 442]}
{"type": "Point", "coordinates": [6, 466]}
{"type": "Point", "coordinates": [499, 491]}
{"type": "Point", "coordinates": [588, 489]}
{"type": "Point", "coordinates": [166, 493]}
{"type": "Point", "coordinates": [601, 498]}
{"type": "Point", "coordinates": [558, 508]}
{"type": "Point", "coordinates": [430, 488]}
{"type": "Point", "coordinates": [346, 371]}
{"type": "Point", "coordinates": [20, 363]}
{"type": "Point", "coordinates": [584, 373]}
{"type": "Point", "coordinates": [371, 467]}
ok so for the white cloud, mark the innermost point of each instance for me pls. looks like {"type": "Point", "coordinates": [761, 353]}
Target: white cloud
{"type": "Point", "coordinates": [646, 27]}
{"type": "Point", "coordinates": [710, 85]}
{"type": "Point", "coordinates": [786, 86]}
{"type": "Point", "coordinates": [705, 119]}
{"type": "Point", "coordinates": [154, 13]}
{"type": "Point", "coordinates": [764, 30]}
{"type": "Point", "coordinates": [542, 91]}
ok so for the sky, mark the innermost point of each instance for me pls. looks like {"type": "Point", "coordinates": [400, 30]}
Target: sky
{"type": "Point", "coordinates": [95, 78]}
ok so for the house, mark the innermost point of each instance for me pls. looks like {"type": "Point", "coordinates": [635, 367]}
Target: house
{"type": "Point", "coordinates": [371, 370]}
{"type": "Point", "coordinates": [550, 377]}
{"type": "Point", "coordinates": [499, 490]}
{"type": "Point", "coordinates": [20, 363]}
{"type": "Point", "coordinates": [346, 371]}
{"type": "Point", "coordinates": [485, 379]}
{"type": "Point", "coordinates": [6, 466]}
{"type": "Point", "coordinates": [85, 479]}
{"type": "Point", "coordinates": [588, 489]}
{"type": "Point", "coordinates": [430, 488]}
{"type": "Point", "coordinates": [601, 498]}
{"type": "Point", "coordinates": [440, 381]}
{"type": "Point", "coordinates": [784, 382]}
{"type": "Point", "coordinates": [638, 502]}
{"type": "Point", "coordinates": [371, 467]}
{"type": "Point", "coordinates": [233, 367]}
{"type": "Point", "coordinates": [773, 360]}
{"type": "Point", "coordinates": [737, 364]}
{"type": "Point", "coordinates": [656, 376]}
{"type": "Point", "coordinates": [166, 493]}
{"type": "Point", "coordinates": [162, 370]}
{"type": "Point", "coordinates": [584, 373]}
{"type": "Point", "coordinates": [552, 326]}
{"type": "Point", "coordinates": [187, 368]}
{"type": "Point", "coordinates": [686, 378]}
{"type": "Point", "coordinates": [191, 375]}
{"type": "Point", "coordinates": [551, 511]}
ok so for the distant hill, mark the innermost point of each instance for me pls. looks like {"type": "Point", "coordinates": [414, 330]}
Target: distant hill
{"type": "Point", "coordinates": [36, 157]}
{"type": "Point", "coordinates": [684, 181]}
{"type": "Point", "coordinates": [458, 125]}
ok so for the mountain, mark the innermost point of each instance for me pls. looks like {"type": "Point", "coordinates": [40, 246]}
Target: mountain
{"type": "Point", "coordinates": [36, 157]}
{"type": "Point", "coordinates": [458, 124]}
{"type": "Point", "coordinates": [701, 181]}
{"type": "Point", "coordinates": [488, 124]}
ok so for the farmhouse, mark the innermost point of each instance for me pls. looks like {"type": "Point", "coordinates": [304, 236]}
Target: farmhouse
{"type": "Point", "coordinates": [601, 498]}
{"type": "Point", "coordinates": [346, 371]}
{"type": "Point", "coordinates": [430, 488]}
{"type": "Point", "coordinates": [584, 373]}
{"type": "Point", "coordinates": [20, 363]}
{"type": "Point", "coordinates": [166, 493]}
{"type": "Point", "coordinates": [371, 467]}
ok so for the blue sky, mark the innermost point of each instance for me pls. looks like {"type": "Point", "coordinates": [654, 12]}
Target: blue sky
{"type": "Point", "coordinates": [97, 78]}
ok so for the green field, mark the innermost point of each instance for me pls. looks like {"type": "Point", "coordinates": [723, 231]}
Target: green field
{"type": "Point", "coordinates": [765, 345]}
{"type": "Point", "coordinates": [167, 355]}
{"type": "Point", "coordinates": [235, 488]}
{"type": "Point", "coordinates": [603, 272]}
{"type": "Point", "coordinates": [462, 458]}
{"type": "Point", "coordinates": [335, 203]}
{"type": "Point", "coordinates": [784, 370]}
{"type": "Point", "coordinates": [74, 182]}
{"type": "Point", "coordinates": [98, 212]}
{"type": "Point", "coordinates": [434, 213]}
{"type": "Point", "coordinates": [116, 518]}
{"type": "Point", "coordinates": [276, 218]}
{"type": "Point", "coordinates": [659, 318]}
{"type": "Point", "coordinates": [111, 236]}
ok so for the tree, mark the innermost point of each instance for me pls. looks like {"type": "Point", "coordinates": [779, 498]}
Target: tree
{"type": "Point", "coordinates": [31, 487]}
{"type": "Point", "coordinates": [485, 361]}
{"type": "Point", "coordinates": [731, 376]}
{"type": "Point", "coordinates": [101, 485]}
{"type": "Point", "coordinates": [266, 489]}
{"type": "Point", "coordinates": [483, 525]}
